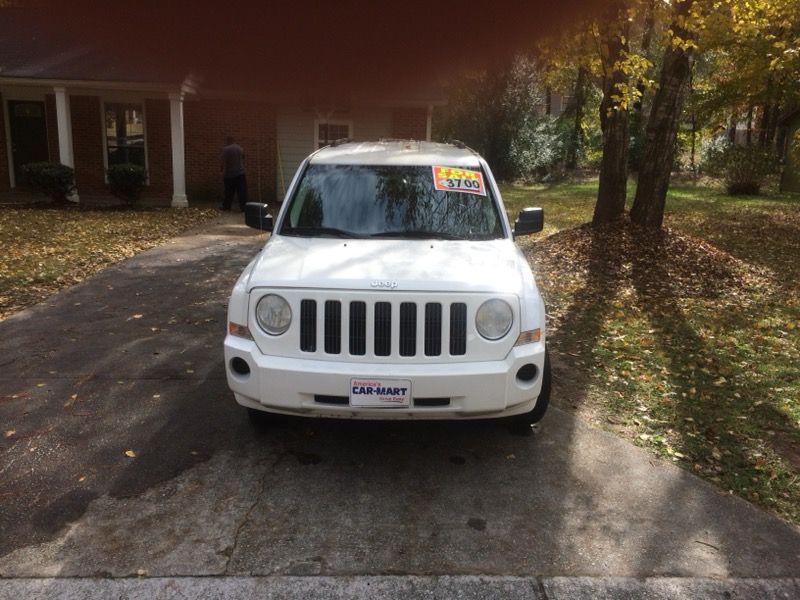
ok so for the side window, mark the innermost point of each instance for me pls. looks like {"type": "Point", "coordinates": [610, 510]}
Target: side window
{"type": "Point", "coordinates": [331, 130]}
{"type": "Point", "coordinates": [307, 206]}
{"type": "Point", "coordinates": [124, 129]}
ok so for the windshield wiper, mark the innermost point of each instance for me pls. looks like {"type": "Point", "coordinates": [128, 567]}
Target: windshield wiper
{"type": "Point", "coordinates": [417, 234]}
{"type": "Point", "coordinates": [320, 231]}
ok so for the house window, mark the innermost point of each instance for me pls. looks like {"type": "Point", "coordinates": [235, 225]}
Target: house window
{"type": "Point", "coordinates": [124, 133]}
{"type": "Point", "coordinates": [330, 131]}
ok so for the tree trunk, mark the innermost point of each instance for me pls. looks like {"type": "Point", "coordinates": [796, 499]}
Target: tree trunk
{"type": "Point", "coordinates": [763, 129]}
{"type": "Point", "coordinates": [732, 129]}
{"type": "Point", "coordinates": [612, 190]}
{"type": "Point", "coordinates": [749, 135]}
{"type": "Point", "coordinates": [637, 120]}
{"type": "Point", "coordinates": [647, 38]}
{"type": "Point", "coordinates": [662, 128]}
{"type": "Point", "coordinates": [576, 138]}
{"type": "Point", "coordinates": [773, 123]}
{"type": "Point", "coordinates": [772, 112]}
{"type": "Point", "coordinates": [692, 156]}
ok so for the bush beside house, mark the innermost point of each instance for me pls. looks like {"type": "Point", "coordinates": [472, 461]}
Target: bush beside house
{"type": "Point", "coordinates": [51, 178]}
{"type": "Point", "coordinates": [127, 182]}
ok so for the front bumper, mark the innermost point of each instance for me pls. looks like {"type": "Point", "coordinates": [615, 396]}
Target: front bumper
{"type": "Point", "coordinates": [487, 389]}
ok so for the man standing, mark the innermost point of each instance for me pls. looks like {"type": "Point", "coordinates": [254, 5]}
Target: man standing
{"type": "Point", "coordinates": [233, 174]}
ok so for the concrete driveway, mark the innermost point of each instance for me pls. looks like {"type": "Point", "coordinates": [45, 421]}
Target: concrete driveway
{"type": "Point", "coordinates": [123, 454]}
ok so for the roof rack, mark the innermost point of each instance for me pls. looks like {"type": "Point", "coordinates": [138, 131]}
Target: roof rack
{"type": "Point", "coordinates": [340, 141]}
{"type": "Point", "coordinates": [458, 144]}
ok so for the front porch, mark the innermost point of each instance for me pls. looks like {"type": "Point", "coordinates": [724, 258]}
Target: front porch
{"type": "Point", "coordinates": [89, 126]}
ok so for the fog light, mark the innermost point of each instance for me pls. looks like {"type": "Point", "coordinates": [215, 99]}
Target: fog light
{"type": "Point", "coordinates": [527, 373]}
{"type": "Point", "coordinates": [240, 366]}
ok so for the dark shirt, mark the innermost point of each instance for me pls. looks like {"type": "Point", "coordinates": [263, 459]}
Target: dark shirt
{"type": "Point", "coordinates": [233, 160]}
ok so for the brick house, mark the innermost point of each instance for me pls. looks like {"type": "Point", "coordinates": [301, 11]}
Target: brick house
{"type": "Point", "coordinates": [70, 104]}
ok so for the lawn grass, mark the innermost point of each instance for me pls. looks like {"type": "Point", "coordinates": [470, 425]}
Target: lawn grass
{"type": "Point", "coordinates": [710, 381]}
{"type": "Point", "coordinates": [45, 249]}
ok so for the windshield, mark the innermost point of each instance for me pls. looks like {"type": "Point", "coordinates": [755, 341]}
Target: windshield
{"type": "Point", "coordinates": [389, 201]}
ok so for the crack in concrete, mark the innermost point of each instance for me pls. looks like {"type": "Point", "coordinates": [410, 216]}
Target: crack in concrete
{"type": "Point", "coordinates": [540, 584]}
{"type": "Point", "coordinates": [261, 486]}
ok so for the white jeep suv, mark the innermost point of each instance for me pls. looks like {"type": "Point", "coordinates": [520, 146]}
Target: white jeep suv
{"type": "Point", "coordinates": [390, 288]}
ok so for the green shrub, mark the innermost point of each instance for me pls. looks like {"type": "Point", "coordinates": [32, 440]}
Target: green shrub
{"type": "Point", "coordinates": [743, 169]}
{"type": "Point", "coordinates": [127, 181]}
{"type": "Point", "coordinates": [537, 151]}
{"type": "Point", "coordinates": [51, 178]}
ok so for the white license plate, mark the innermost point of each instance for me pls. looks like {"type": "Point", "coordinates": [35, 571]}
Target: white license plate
{"type": "Point", "coordinates": [383, 393]}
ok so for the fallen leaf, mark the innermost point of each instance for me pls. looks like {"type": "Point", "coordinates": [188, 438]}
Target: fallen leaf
{"type": "Point", "coordinates": [10, 432]}
{"type": "Point", "coordinates": [130, 453]}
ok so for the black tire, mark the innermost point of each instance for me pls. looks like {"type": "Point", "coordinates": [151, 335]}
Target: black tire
{"type": "Point", "coordinates": [534, 416]}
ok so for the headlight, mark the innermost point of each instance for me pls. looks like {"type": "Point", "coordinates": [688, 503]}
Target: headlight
{"type": "Point", "coordinates": [494, 318]}
{"type": "Point", "coordinates": [273, 314]}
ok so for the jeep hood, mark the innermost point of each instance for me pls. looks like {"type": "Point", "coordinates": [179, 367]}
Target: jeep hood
{"type": "Point", "coordinates": [415, 265]}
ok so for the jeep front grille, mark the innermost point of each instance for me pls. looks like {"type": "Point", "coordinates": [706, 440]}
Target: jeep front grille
{"type": "Point", "coordinates": [333, 327]}
{"type": "Point", "coordinates": [379, 319]}
{"type": "Point", "coordinates": [458, 328]}
{"type": "Point", "coordinates": [408, 329]}
{"type": "Point", "coordinates": [383, 329]}
{"type": "Point", "coordinates": [358, 328]}
{"type": "Point", "coordinates": [308, 330]}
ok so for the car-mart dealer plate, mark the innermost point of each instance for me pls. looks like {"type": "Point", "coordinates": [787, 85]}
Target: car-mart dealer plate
{"type": "Point", "coordinates": [381, 393]}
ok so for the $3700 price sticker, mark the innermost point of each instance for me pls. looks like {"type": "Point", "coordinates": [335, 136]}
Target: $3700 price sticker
{"type": "Point", "coordinates": [450, 179]}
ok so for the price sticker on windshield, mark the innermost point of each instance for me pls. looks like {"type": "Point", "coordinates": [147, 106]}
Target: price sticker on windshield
{"type": "Point", "coordinates": [451, 179]}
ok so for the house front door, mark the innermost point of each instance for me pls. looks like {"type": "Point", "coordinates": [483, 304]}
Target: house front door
{"type": "Point", "coordinates": [28, 134]}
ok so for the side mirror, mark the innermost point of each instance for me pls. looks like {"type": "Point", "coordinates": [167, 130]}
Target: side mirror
{"type": "Point", "coordinates": [257, 216]}
{"type": "Point", "coordinates": [530, 220]}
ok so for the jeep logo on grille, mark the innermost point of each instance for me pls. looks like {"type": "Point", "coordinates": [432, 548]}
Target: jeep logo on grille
{"type": "Point", "coordinates": [380, 283]}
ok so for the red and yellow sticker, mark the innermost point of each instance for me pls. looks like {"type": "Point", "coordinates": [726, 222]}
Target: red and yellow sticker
{"type": "Point", "coordinates": [451, 179]}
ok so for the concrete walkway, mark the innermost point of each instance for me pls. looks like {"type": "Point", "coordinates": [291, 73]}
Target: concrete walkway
{"type": "Point", "coordinates": [131, 362]}
{"type": "Point", "coordinates": [465, 587]}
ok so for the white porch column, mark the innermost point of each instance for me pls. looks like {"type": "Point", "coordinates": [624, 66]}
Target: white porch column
{"type": "Point", "coordinates": [64, 121]}
{"type": "Point", "coordinates": [178, 156]}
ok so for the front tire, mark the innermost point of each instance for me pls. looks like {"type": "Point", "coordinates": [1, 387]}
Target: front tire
{"type": "Point", "coordinates": [535, 415]}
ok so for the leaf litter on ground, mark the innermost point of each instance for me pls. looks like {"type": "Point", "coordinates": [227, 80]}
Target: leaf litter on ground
{"type": "Point", "coordinates": [691, 338]}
